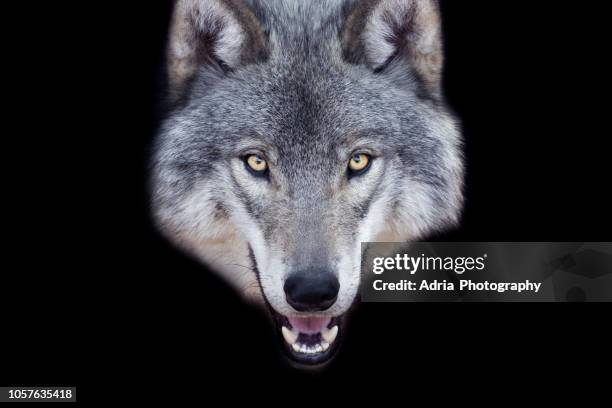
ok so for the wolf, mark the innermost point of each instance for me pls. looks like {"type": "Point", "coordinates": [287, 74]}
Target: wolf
{"type": "Point", "coordinates": [296, 130]}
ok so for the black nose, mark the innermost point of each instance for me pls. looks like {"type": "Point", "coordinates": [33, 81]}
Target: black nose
{"type": "Point", "coordinates": [311, 291]}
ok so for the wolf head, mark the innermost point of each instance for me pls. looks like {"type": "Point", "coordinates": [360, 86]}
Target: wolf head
{"type": "Point", "coordinates": [299, 130]}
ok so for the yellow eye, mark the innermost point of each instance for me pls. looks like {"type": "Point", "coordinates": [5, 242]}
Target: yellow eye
{"type": "Point", "coordinates": [359, 162]}
{"type": "Point", "coordinates": [256, 163]}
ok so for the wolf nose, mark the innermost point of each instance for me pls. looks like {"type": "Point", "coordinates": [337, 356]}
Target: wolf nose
{"type": "Point", "coordinates": [311, 291]}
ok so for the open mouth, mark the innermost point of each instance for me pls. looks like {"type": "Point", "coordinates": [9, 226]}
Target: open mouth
{"type": "Point", "coordinates": [309, 340]}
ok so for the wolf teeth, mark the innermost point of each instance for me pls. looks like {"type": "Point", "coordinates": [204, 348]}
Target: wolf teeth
{"type": "Point", "coordinates": [304, 349]}
{"type": "Point", "coordinates": [310, 350]}
{"type": "Point", "coordinates": [329, 335]}
{"type": "Point", "coordinates": [290, 335]}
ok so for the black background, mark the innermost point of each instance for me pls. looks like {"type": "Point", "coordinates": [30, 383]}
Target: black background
{"type": "Point", "coordinates": [93, 297]}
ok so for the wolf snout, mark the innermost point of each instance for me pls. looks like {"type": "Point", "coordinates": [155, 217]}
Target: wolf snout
{"type": "Point", "coordinates": [311, 291]}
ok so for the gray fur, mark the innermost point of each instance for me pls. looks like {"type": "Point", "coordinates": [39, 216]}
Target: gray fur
{"type": "Point", "coordinates": [312, 98]}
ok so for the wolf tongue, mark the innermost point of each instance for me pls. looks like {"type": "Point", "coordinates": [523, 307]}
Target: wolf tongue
{"type": "Point", "coordinates": [309, 325]}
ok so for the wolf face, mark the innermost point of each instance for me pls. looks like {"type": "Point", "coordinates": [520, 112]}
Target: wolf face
{"type": "Point", "coordinates": [299, 130]}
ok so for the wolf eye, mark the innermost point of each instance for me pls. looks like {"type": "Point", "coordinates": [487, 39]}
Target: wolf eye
{"type": "Point", "coordinates": [256, 164]}
{"type": "Point", "coordinates": [359, 163]}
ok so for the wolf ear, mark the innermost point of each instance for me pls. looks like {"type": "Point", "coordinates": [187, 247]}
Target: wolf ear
{"type": "Point", "coordinates": [219, 34]}
{"type": "Point", "coordinates": [378, 32]}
